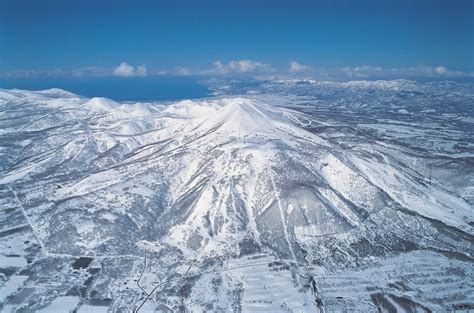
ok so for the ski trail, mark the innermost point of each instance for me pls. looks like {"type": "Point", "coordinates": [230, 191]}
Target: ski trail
{"type": "Point", "coordinates": [282, 215]}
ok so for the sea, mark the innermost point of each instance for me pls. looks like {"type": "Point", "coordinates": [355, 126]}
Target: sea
{"type": "Point", "coordinates": [160, 88]}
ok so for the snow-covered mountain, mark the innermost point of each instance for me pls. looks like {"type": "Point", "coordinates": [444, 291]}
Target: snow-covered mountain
{"type": "Point", "coordinates": [231, 203]}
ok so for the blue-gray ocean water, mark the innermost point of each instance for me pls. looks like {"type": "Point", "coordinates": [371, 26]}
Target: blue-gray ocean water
{"type": "Point", "coordinates": [119, 89]}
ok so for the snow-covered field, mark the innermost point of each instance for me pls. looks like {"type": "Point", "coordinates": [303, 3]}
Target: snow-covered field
{"type": "Point", "coordinates": [235, 202]}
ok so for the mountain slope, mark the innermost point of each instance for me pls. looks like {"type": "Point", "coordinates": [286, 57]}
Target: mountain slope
{"type": "Point", "coordinates": [212, 179]}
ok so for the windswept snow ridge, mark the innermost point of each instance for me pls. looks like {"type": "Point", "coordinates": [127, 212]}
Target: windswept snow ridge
{"type": "Point", "coordinates": [218, 192]}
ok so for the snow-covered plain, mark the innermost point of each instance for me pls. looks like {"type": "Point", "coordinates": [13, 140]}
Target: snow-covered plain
{"type": "Point", "coordinates": [232, 203]}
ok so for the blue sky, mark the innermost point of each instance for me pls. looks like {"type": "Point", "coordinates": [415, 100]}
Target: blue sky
{"type": "Point", "coordinates": [187, 37]}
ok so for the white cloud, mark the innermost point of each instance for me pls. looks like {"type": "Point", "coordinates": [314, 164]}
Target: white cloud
{"type": "Point", "coordinates": [248, 66]}
{"type": "Point", "coordinates": [90, 71]}
{"type": "Point", "coordinates": [441, 69]}
{"type": "Point", "coordinates": [184, 71]}
{"type": "Point", "coordinates": [363, 71]}
{"type": "Point", "coordinates": [218, 65]}
{"type": "Point", "coordinates": [239, 67]}
{"type": "Point", "coordinates": [127, 70]}
{"type": "Point", "coordinates": [220, 68]}
{"type": "Point", "coordinates": [296, 67]}
{"type": "Point", "coordinates": [141, 70]}
{"type": "Point", "coordinates": [366, 71]}
{"type": "Point", "coordinates": [124, 69]}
